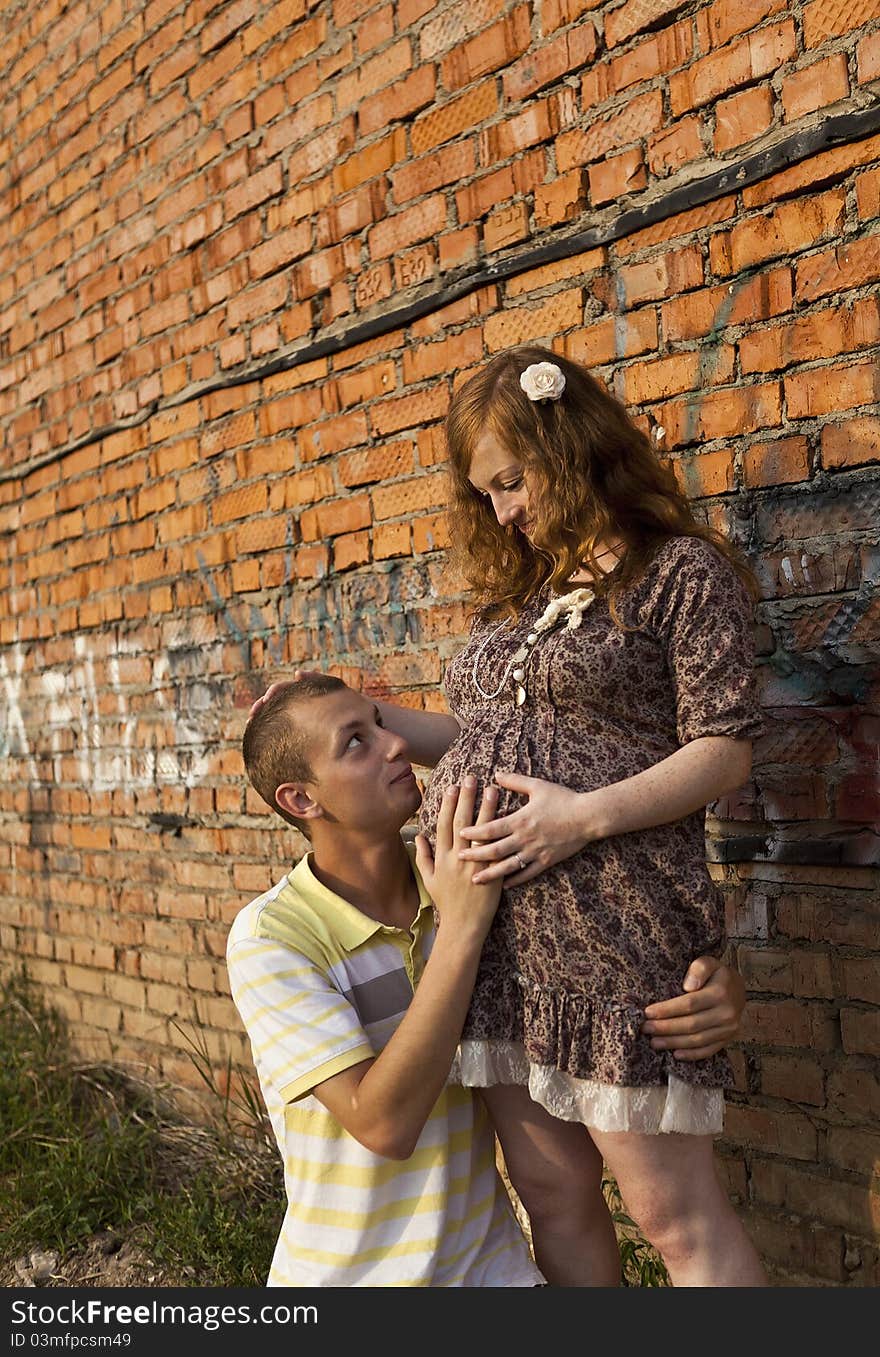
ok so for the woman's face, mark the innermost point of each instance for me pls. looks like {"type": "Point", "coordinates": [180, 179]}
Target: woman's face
{"type": "Point", "coordinates": [500, 477]}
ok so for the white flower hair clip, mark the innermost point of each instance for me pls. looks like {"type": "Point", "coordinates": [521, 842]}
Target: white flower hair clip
{"type": "Point", "coordinates": [543, 382]}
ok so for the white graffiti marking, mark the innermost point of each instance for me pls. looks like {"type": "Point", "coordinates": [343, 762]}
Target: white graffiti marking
{"type": "Point", "coordinates": [66, 702]}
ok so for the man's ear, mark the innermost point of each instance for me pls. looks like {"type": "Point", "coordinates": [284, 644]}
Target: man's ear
{"type": "Point", "coordinates": [293, 797]}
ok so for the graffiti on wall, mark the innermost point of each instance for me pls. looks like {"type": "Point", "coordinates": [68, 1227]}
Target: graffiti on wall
{"type": "Point", "coordinates": [56, 714]}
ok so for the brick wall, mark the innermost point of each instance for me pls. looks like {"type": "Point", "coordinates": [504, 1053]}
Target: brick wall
{"type": "Point", "coordinates": [245, 251]}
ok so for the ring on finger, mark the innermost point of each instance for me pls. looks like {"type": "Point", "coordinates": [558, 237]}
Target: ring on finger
{"type": "Point", "coordinates": [522, 865]}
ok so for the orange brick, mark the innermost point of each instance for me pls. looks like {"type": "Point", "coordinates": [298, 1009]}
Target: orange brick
{"type": "Point", "coordinates": [822, 334]}
{"type": "Point", "coordinates": [369, 163]}
{"type": "Point", "coordinates": [458, 247]}
{"type": "Point", "coordinates": [740, 63]}
{"type": "Point", "coordinates": [450, 119]}
{"type": "Point", "coordinates": [432, 446]}
{"type": "Point", "coordinates": [415, 266]}
{"type": "Point", "coordinates": [722, 414]}
{"type": "Point", "coordinates": [160, 600]}
{"type": "Point", "coordinates": [707, 473]}
{"type": "Point", "coordinates": [561, 200]}
{"type": "Point", "coordinates": [676, 145]}
{"type": "Point", "coordinates": [846, 265]}
{"type": "Point", "coordinates": [336, 517]}
{"type": "Point", "coordinates": [699, 313]}
{"type": "Point", "coordinates": [719, 22]}
{"type": "Point", "coordinates": [374, 284]}
{"type": "Point", "coordinates": [391, 539]}
{"type": "Point", "coordinates": [522, 324]}
{"type": "Point", "coordinates": [403, 412]}
{"type": "Point", "coordinates": [407, 96]}
{"type": "Point", "coordinates": [419, 222]}
{"type": "Point", "coordinates": [868, 194]}
{"type": "Point", "coordinates": [855, 442]}
{"type": "Point", "coordinates": [449, 165]}
{"type": "Point", "coordinates": [868, 54]}
{"type": "Point", "coordinates": [406, 668]}
{"type": "Point", "coordinates": [613, 337]}
{"type": "Point", "coordinates": [672, 272]}
{"type": "Point", "coordinates": [832, 389]}
{"type": "Point", "coordinates": [506, 139]}
{"type": "Point", "coordinates": [430, 532]}
{"type": "Point", "coordinates": [376, 30]}
{"type": "Point", "coordinates": [478, 197]}
{"type": "Point", "coordinates": [816, 86]}
{"type": "Point", "coordinates": [822, 21]}
{"type": "Point", "coordinates": [333, 435]}
{"type": "Point", "coordinates": [545, 275]}
{"type": "Point", "coordinates": [441, 356]}
{"type": "Point", "coordinates": [379, 71]}
{"type": "Point", "coordinates": [790, 228]}
{"type": "Point", "coordinates": [815, 170]}
{"type": "Point", "coordinates": [405, 497]}
{"type": "Point", "coordinates": [239, 503]}
{"type": "Point", "coordinates": [546, 64]}
{"type": "Point", "coordinates": [635, 121]}
{"type": "Point", "coordinates": [494, 47]}
{"type": "Point", "coordinates": [356, 388]}
{"type": "Point", "coordinates": [351, 549]}
{"type": "Point", "coordinates": [616, 176]}
{"type": "Point", "coordinates": [263, 534]}
{"type": "Point", "coordinates": [630, 18]}
{"type": "Point", "coordinates": [664, 377]}
{"type": "Point", "coordinates": [779, 462]}
{"type": "Point", "coordinates": [743, 118]}
{"type": "Point", "coordinates": [557, 13]}
{"type": "Point", "coordinates": [506, 226]}
{"type": "Point", "coordinates": [377, 464]}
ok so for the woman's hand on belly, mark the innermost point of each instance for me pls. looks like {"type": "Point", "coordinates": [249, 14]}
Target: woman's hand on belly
{"type": "Point", "coordinates": [555, 824]}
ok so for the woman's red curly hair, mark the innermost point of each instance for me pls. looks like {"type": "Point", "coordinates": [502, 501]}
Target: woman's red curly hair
{"type": "Point", "coordinates": [592, 475]}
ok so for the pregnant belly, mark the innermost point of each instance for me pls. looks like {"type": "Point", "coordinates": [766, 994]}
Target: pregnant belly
{"type": "Point", "coordinates": [580, 759]}
{"type": "Point", "coordinates": [482, 758]}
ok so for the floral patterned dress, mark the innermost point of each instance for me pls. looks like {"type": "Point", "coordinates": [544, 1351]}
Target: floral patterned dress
{"type": "Point", "coordinates": [574, 955]}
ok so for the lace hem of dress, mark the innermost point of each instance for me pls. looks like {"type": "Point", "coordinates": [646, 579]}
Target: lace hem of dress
{"type": "Point", "coordinates": [598, 1039]}
{"type": "Point", "coordinates": [674, 1107]}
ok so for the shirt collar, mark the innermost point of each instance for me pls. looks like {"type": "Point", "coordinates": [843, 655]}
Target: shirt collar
{"type": "Point", "coordinates": [348, 924]}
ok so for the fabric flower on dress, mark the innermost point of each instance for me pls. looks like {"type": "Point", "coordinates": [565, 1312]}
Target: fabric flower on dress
{"type": "Point", "coordinates": [543, 381]}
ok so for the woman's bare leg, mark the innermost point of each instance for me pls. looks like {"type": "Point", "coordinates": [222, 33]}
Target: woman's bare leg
{"type": "Point", "coordinates": [557, 1173]}
{"type": "Point", "coordinates": [672, 1191]}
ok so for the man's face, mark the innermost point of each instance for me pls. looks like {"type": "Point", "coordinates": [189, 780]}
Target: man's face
{"type": "Point", "coordinates": [361, 779]}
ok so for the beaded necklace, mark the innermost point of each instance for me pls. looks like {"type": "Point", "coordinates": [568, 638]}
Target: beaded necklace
{"type": "Point", "coordinates": [575, 604]}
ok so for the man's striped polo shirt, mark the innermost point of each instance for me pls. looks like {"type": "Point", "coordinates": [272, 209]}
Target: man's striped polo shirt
{"type": "Point", "coordinates": [320, 986]}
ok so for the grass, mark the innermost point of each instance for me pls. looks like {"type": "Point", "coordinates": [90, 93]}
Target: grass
{"type": "Point", "coordinates": [641, 1265]}
{"type": "Point", "coordinates": [89, 1148]}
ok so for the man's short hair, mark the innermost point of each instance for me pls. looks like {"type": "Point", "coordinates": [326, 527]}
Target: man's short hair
{"type": "Point", "coordinates": [276, 747]}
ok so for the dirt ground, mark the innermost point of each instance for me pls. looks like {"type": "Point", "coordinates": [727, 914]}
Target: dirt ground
{"type": "Point", "coordinates": [107, 1259]}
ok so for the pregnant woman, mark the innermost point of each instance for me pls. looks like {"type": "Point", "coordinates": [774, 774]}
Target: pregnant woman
{"type": "Point", "coordinates": [607, 689]}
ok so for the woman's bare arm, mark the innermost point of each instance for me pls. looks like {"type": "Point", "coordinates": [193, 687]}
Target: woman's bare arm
{"type": "Point", "coordinates": [557, 822]}
{"type": "Point", "coordinates": [428, 734]}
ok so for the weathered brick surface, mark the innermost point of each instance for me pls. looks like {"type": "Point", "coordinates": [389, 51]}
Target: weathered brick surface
{"type": "Point", "coordinates": [188, 189]}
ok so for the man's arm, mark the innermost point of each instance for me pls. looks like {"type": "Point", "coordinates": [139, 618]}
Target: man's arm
{"type": "Point", "coordinates": [385, 1103]}
{"type": "Point", "coordinates": [702, 1020]}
